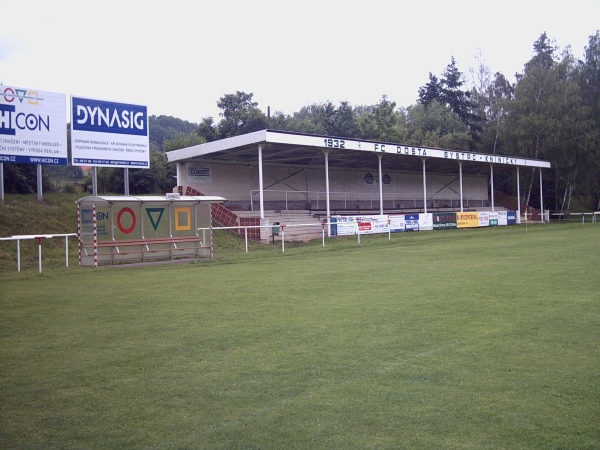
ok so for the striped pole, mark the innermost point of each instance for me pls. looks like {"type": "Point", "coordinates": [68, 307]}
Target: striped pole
{"type": "Point", "coordinates": [79, 237]}
{"type": "Point", "coordinates": [95, 235]}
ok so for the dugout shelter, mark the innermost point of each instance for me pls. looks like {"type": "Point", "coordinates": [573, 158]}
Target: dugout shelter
{"type": "Point", "coordinates": [114, 229]}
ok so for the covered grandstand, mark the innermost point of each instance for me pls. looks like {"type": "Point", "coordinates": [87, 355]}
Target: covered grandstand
{"type": "Point", "coordinates": [270, 172]}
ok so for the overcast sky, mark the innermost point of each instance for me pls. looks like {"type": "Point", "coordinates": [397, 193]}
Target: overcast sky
{"type": "Point", "coordinates": [179, 57]}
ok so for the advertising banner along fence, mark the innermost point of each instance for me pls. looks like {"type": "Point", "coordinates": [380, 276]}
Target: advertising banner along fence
{"type": "Point", "coordinates": [396, 223]}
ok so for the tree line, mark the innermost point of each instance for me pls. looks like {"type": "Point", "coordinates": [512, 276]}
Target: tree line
{"type": "Point", "coordinates": [551, 111]}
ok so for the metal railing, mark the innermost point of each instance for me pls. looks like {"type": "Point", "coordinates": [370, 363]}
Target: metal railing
{"type": "Point", "coordinates": [574, 216]}
{"type": "Point", "coordinates": [278, 226]}
{"type": "Point", "coordinates": [40, 238]}
{"type": "Point", "coordinates": [323, 225]}
{"type": "Point", "coordinates": [372, 198]}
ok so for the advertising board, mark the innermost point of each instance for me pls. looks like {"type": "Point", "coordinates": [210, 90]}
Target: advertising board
{"type": "Point", "coordinates": [411, 222]}
{"type": "Point", "coordinates": [502, 217]}
{"type": "Point", "coordinates": [346, 225]}
{"type": "Point", "coordinates": [33, 126]}
{"type": "Point", "coordinates": [511, 217]}
{"type": "Point", "coordinates": [467, 219]}
{"type": "Point", "coordinates": [443, 221]}
{"type": "Point", "coordinates": [397, 223]}
{"type": "Point", "coordinates": [109, 134]}
{"type": "Point", "coordinates": [493, 219]}
{"type": "Point", "coordinates": [484, 218]}
{"type": "Point", "coordinates": [426, 222]}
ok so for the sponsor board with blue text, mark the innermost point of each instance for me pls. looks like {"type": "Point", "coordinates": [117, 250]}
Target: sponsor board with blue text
{"type": "Point", "coordinates": [32, 126]}
{"type": "Point", "coordinates": [411, 222]}
{"type": "Point", "coordinates": [109, 134]}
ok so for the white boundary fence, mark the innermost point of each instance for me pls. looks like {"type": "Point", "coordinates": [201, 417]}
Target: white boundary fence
{"type": "Point", "coordinates": [323, 225]}
{"type": "Point", "coordinates": [574, 217]}
{"type": "Point", "coordinates": [40, 238]}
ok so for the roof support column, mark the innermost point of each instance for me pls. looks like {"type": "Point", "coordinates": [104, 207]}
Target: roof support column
{"type": "Point", "coordinates": [179, 168]}
{"type": "Point", "coordinates": [541, 197]}
{"type": "Point", "coordinates": [461, 184]}
{"type": "Point", "coordinates": [424, 187]}
{"type": "Point", "coordinates": [492, 185]}
{"type": "Point", "coordinates": [326, 152]}
{"type": "Point", "coordinates": [126, 181]}
{"type": "Point", "coordinates": [518, 197]}
{"type": "Point", "coordinates": [94, 181]}
{"type": "Point", "coordinates": [379, 155]}
{"type": "Point", "coordinates": [260, 182]}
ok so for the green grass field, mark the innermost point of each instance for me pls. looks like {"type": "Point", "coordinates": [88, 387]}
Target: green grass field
{"type": "Point", "coordinates": [457, 339]}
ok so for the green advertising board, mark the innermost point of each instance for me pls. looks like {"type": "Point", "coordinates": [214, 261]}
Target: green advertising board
{"type": "Point", "coordinates": [442, 221]}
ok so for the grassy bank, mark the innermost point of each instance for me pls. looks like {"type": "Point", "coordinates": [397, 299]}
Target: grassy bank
{"type": "Point", "coordinates": [22, 214]}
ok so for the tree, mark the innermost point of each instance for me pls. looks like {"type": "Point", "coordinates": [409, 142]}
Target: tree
{"type": "Point", "coordinates": [207, 130]}
{"type": "Point", "coordinates": [548, 120]}
{"type": "Point", "coordinates": [436, 126]}
{"type": "Point", "coordinates": [431, 91]}
{"type": "Point", "coordinates": [491, 95]}
{"type": "Point", "coordinates": [589, 81]}
{"type": "Point", "coordinates": [22, 179]}
{"type": "Point", "coordinates": [160, 178]}
{"type": "Point", "coordinates": [240, 115]}
{"type": "Point", "coordinates": [383, 122]}
{"type": "Point", "coordinates": [320, 118]}
{"type": "Point", "coordinates": [161, 128]}
{"type": "Point", "coordinates": [182, 141]}
{"type": "Point", "coordinates": [449, 92]}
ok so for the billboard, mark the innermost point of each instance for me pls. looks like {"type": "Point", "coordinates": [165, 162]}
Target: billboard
{"type": "Point", "coordinates": [33, 126]}
{"type": "Point", "coordinates": [109, 134]}
{"type": "Point", "coordinates": [346, 225]}
{"type": "Point", "coordinates": [484, 218]}
{"type": "Point", "coordinates": [397, 223]}
{"type": "Point", "coordinates": [425, 222]}
{"type": "Point", "coordinates": [411, 222]}
{"type": "Point", "coordinates": [467, 219]}
{"type": "Point", "coordinates": [494, 219]}
{"type": "Point", "coordinates": [442, 221]}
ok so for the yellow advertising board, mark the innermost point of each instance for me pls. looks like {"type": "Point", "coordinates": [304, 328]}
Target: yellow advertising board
{"type": "Point", "coordinates": [467, 219]}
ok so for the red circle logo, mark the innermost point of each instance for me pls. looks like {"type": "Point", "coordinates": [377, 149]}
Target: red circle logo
{"type": "Point", "coordinates": [133, 220]}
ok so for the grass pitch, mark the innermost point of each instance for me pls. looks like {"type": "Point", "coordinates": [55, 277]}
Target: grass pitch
{"type": "Point", "coordinates": [456, 339]}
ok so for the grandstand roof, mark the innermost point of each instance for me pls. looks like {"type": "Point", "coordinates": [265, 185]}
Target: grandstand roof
{"type": "Point", "coordinates": [284, 148]}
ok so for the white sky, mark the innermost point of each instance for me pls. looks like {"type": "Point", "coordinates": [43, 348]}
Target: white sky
{"type": "Point", "coordinates": [179, 57]}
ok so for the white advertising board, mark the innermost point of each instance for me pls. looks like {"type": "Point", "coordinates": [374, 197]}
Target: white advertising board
{"type": "Point", "coordinates": [397, 223]}
{"type": "Point", "coordinates": [33, 126]}
{"type": "Point", "coordinates": [109, 134]}
{"type": "Point", "coordinates": [484, 218]}
{"type": "Point", "coordinates": [426, 222]}
{"type": "Point", "coordinates": [502, 217]}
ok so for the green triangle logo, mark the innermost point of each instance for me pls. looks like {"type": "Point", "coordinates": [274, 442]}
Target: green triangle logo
{"type": "Point", "coordinates": [155, 214]}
